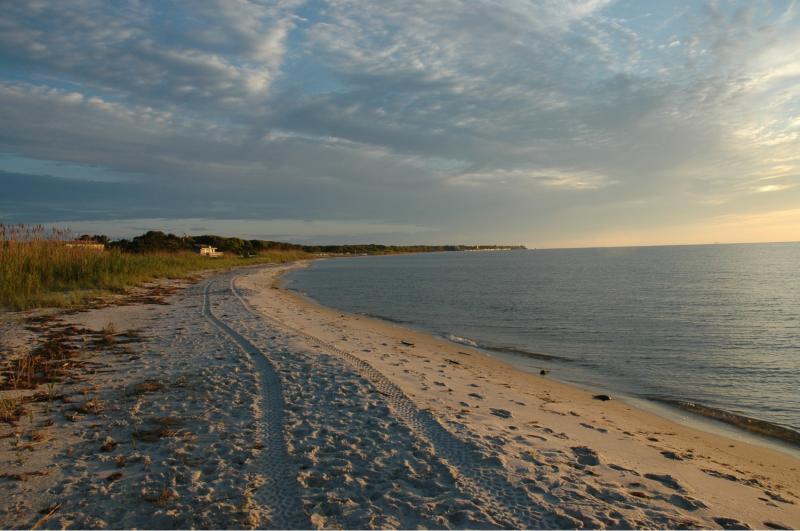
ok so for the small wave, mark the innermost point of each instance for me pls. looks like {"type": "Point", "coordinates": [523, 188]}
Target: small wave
{"type": "Point", "coordinates": [760, 427]}
{"type": "Point", "coordinates": [528, 354]}
{"type": "Point", "coordinates": [462, 340]}
{"type": "Point", "coordinates": [383, 318]}
{"type": "Point", "coordinates": [505, 350]}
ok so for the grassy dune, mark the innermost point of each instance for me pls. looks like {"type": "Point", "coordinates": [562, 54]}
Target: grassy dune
{"type": "Point", "coordinates": [38, 271]}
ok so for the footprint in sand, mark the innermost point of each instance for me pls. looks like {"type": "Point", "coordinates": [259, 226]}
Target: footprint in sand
{"type": "Point", "coordinates": [560, 435]}
{"type": "Point", "coordinates": [686, 502]}
{"type": "Point", "coordinates": [671, 455]}
{"type": "Point", "coordinates": [592, 427]}
{"type": "Point", "coordinates": [621, 468]}
{"type": "Point", "coordinates": [775, 525]}
{"type": "Point", "coordinates": [666, 480]}
{"type": "Point", "coordinates": [730, 523]}
{"type": "Point", "coordinates": [731, 477]}
{"type": "Point", "coordinates": [586, 456]}
{"type": "Point", "coordinates": [502, 413]}
{"type": "Point", "coordinates": [777, 497]}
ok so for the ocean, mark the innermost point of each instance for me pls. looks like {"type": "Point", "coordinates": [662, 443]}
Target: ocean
{"type": "Point", "coordinates": [709, 328]}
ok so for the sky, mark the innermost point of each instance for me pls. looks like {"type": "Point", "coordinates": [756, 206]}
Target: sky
{"type": "Point", "coordinates": [549, 123]}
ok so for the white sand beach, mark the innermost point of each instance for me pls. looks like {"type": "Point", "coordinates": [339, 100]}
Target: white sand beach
{"type": "Point", "coordinates": [232, 403]}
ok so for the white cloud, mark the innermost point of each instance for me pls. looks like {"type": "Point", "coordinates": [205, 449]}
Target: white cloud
{"type": "Point", "coordinates": [774, 187]}
{"type": "Point", "coordinates": [274, 229]}
{"type": "Point", "coordinates": [218, 52]}
{"type": "Point", "coordinates": [555, 178]}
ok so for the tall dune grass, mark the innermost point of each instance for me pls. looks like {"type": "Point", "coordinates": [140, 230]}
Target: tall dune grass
{"type": "Point", "coordinates": [38, 269]}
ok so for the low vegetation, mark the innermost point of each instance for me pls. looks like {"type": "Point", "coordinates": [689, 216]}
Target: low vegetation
{"type": "Point", "coordinates": [158, 241]}
{"type": "Point", "coordinates": [38, 268]}
{"type": "Point", "coordinates": [47, 267]}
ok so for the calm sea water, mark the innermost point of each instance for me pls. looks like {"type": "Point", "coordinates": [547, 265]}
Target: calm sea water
{"type": "Point", "coordinates": [718, 325]}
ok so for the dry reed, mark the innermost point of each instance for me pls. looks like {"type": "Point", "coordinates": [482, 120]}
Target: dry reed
{"type": "Point", "coordinates": [38, 268]}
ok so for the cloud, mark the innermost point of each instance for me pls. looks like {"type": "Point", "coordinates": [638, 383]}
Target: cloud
{"type": "Point", "coordinates": [221, 54]}
{"type": "Point", "coordinates": [455, 115]}
{"type": "Point", "coordinates": [553, 178]}
{"type": "Point", "coordinates": [774, 187]}
{"type": "Point", "coordinates": [322, 230]}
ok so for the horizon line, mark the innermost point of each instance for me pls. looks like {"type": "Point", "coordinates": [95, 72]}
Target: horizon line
{"type": "Point", "coordinates": [658, 245]}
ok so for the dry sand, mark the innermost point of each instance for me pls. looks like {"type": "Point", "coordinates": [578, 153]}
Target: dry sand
{"type": "Point", "coordinates": [242, 405]}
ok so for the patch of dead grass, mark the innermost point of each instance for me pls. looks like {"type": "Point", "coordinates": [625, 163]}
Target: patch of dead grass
{"type": "Point", "coordinates": [147, 386]}
{"type": "Point", "coordinates": [93, 406]}
{"type": "Point", "coordinates": [161, 497]}
{"type": "Point", "coordinates": [23, 476]}
{"type": "Point", "coordinates": [162, 427]}
{"type": "Point", "coordinates": [11, 409]}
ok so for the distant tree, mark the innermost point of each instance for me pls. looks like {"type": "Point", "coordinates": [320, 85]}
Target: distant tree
{"type": "Point", "coordinates": [155, 240]}
{"type": "Point", "coordinates": [97, 238]}
{"type": "Point", "coordinates": [159, 241]}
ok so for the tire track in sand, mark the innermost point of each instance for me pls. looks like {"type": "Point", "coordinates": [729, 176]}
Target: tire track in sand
{"type": "Point", "coordinates": [480, 478]}
{"type": "Point", "coordinates": [280, 493]}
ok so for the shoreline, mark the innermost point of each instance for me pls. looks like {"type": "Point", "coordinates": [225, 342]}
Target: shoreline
{"type": "Point", "coordinates": [684, 410]}
{"type": "Point", "coordinates": [692, 455]}
{"type": "Point", "coordinates": [229, 403]}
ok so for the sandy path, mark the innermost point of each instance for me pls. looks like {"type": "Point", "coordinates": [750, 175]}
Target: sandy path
{"type": "Point", "coordinates": [368, 456]}
{"type": "Point", "coordinates": [476, 475]}
{"type": "Point", "coordinates": [175, 439]}
{"type": "Point", "coordinates": [279, 493]}
{"type": "Point", "coordinates": [218, 419]}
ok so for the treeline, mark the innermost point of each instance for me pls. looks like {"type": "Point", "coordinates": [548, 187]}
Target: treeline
{"type": "Point", "coordinates": [373, 248]}
{"type": "Point", "coordinates": [157, 241]}
{"type": "Point", "coordinates": [43, 267]}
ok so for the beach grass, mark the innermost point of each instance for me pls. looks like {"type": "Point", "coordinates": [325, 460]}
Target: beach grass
{"type": "Point", "coordinates": [39, 269]}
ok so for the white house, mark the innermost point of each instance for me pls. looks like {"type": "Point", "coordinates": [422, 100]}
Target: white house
{"type": "Point", "coordinates": [211, 252]}
{"type": "Point", "coordinates": [86, 244]}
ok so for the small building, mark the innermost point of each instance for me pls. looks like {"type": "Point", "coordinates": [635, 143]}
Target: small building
{"type": "Point", "coordinates": [89, 245]}
{"type": "Point", "coordinates": [211, 252]}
